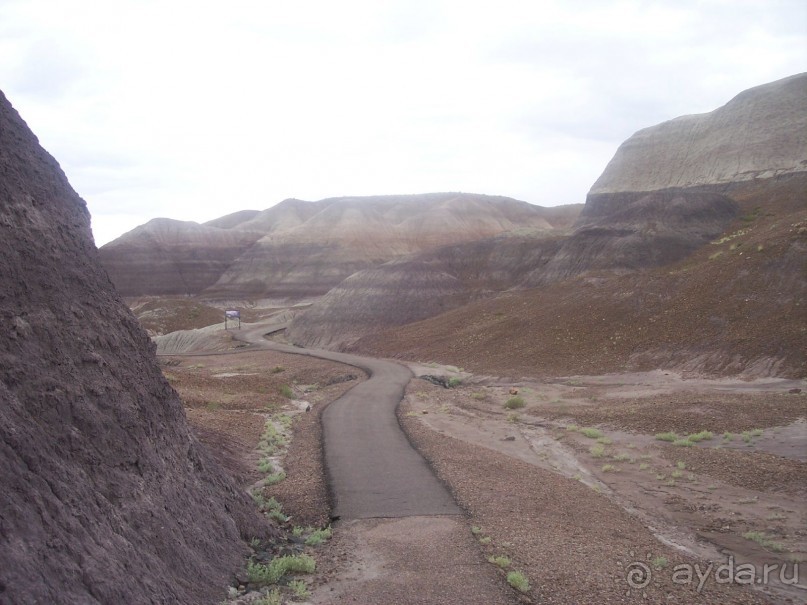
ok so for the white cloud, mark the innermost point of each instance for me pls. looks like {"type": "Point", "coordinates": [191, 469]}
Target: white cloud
{"type": "Point", "coordinates": [195, 109]}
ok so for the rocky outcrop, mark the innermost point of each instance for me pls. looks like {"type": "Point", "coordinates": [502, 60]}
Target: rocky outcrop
{"type": "Point", "coordinates": [644, 230]}
{"type": "Point", "coordinates": [761, 133]}
{"type": "Point", "coordinates": [667, 190]}
{"type": "Point", "coordinates": [107, 496]}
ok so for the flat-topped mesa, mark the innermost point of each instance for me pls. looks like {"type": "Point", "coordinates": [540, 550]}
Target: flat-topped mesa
{"type": "Point", "coordinates": [761, 133]}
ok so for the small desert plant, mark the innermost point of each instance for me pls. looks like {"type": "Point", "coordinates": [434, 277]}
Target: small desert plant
{"type": "Point", "coordinates": [572, 427]}
{"type": "Point", "coordinates": [676, 474]}
{"type": "Point", "coordinates": [286, 391]}
{"type": "Point", "coordinates": [669, 436]}
{"type": "Point", "coordinates": [683, 442]}
{"type": "Point", "coordinates": [763, 540]}
{"type": "Point", "coordinates": [318, 537]}
{"type": "Point", "coordinates": [702, 436]}
{"type": "Point", "coordinates": [271, 439]}
{"type": "Point", "coordinates": [500, 560]}
{"type": "Point", "coordinates": [297, 531]}
{"type": "Point", "coordinates": [660, 562]}
{"type": "Point", "coordinates": [605, 440]}
{"type": "Point", "coordinates": [607, 468]}
{"type": "Point", "coordinates": [454, 382]}
{"type": "Point", "coordinates": [278, 369]}
{"type": "Point", "coordinates": [644, 466]}
{"type": "Point", "coordinates": [728, 436]}
{"type": "Point", "coordinates": [275, 478]}
{"type": "Point", "coordinates": [590, 432]}
{"type": "Point", "coordinates": [622, 458]}
{"type": "Point", "coordinates": [519, 581]}
{"type": "Point", "coordinates": [681, 465]}
{"type": "Point", "coordinates": [478, 396]}
{"type": "Point", "coordinates": [475, 530]}
{"type": "Point", "coordinates": [756, 432]}
{"type": "Point", "coordinates": [270, 598]}
{"type": "Point", "coordinates": [485, 540]}
{"type": "Point", "coordinates": [598, 451]}
{"type": "Point", "coordinates": [299, 588]}
{"type": "Point", "coordinates": [513, 417]}
{"type": "Point", "coordinates": [514, 403]}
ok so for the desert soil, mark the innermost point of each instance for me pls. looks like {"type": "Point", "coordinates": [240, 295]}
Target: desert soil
{"type": "Point", "coordinates": [574, 515]}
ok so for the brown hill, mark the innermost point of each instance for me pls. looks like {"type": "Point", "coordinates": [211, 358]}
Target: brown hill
{"type": "Point", "coordinates": [317, 245]}
{"type": "Point", "coordinates": [734, 306]}
{"type": "Point", "coordinates": [107, 497]}
{"type": "Point", "coordinates": [171, 257]}
{"type": "Point", "coordinates": [302, 249]}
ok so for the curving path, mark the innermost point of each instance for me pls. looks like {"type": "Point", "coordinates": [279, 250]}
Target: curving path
{"type": "Point", "coordinates": [372, 468]}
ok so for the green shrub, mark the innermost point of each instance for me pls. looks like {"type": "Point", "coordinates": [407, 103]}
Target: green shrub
{"type": "Point", "coordinates": [286, 391]}
{"type": "Point", "coordinates": [500, 560]}
{"type": "Point", "coordinates": [515, 403]}
{"type": "Point", "coordinates": [300, 589]}
{"type": "Point", "coordinates": [669, 436]}
{"type": "Point", "coordinates": [270, 598]}
{"type": "Point", "coordinates": [275, 478]}
{"type": "Point", "coordinates": [763, 540]}
{"type": "Point", "coordinates": [318, 537]}
{"type": "Point", "coordinates": [519, 581]}
{"type": "Point", "coordinates": [454, 382]}
{"type": "Point", "coordinates": [278, 369]}
{"type": "Point", "coordinates": [702, 436]}
{"type": "Point", "coordinates": [598, 451]}
{"type": "Point", "coordinates": [590, 432]}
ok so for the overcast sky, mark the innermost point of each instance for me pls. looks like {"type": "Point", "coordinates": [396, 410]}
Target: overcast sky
{"type": "Point", "coordinates": [194, 109]}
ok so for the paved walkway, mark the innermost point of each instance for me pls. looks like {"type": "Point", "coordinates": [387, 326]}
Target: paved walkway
{"type": "Point", "coordinates": [373, 470]}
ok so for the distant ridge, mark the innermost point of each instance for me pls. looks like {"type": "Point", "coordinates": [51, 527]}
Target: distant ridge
{"type": "Point", "coordinates": [298, 249]}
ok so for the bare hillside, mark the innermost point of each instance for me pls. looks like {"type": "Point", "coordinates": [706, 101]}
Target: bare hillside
{"type": "Point", "coordinates": [107, 496]}
{"type": "Point", "coordinates": [298, 249]}
{"type": "Point", "coordinates": [734, 306]}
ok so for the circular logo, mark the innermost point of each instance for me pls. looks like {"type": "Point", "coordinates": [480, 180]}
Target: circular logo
{"type": "Point", "coordinates": [638, 575]}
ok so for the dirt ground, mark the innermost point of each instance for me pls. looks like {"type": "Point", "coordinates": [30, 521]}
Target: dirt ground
{"type": "Point", "coordinates": [571, 508]}
{"type": "Point", "coordinates": [580, 516]}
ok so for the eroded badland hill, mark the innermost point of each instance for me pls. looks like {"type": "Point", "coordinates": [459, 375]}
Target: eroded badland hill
{"type": "Point", "coordinates": [107, 496]}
